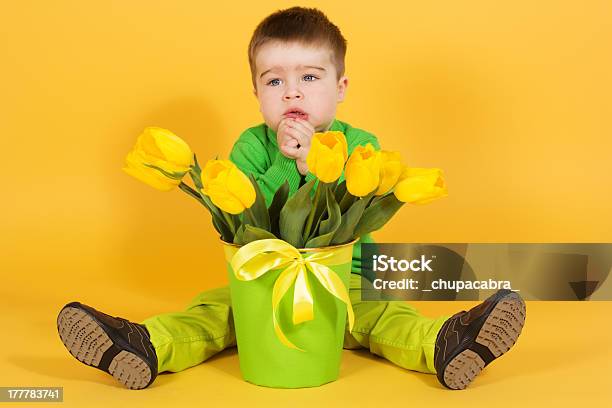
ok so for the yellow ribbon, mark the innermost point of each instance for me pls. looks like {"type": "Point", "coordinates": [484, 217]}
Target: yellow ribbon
{"type": "Point", "coordinates": [259, 257]}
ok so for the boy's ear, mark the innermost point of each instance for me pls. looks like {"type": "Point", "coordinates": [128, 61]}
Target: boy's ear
{"type": "Point", "coordinates": [342, 85]}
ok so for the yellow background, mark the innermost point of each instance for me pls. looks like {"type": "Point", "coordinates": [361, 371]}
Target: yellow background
{"type": "Point", "coordinates": [511, 99]}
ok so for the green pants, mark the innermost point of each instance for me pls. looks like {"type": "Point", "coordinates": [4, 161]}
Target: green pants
{"type": "Point", "coordinates": [393, 330]}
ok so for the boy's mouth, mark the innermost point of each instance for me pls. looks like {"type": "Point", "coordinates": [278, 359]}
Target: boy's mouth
{"type": "Point", "coordinates": [296, 113]}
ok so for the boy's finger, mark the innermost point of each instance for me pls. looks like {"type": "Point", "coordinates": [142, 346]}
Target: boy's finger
{"type": "Point", "coordinates": [291, 142]}
{"type": "Point", "coordinates": [286, 136]}
{"type": "Point", "coordinates": [306, 124]}
{"type": "Point", "coordinates": [302, 127]}
{"type": "Point", "coordinates": [302, 135]}
{"type": "Point", "coordinates": [283, 125]}
{"type": "Point", "coordinates": [291, 152]}
{"type": "Point", "coordinates": [296, 135]}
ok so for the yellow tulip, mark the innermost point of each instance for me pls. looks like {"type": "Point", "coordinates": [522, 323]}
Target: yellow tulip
{"type": "Point", "coordinates": [157, 147]}
{"type": "Point", "coordinates": [228, 188]}
{"type": "Point", "coordinates": [390, 171]}
{"type": "Point", "coordinates": [135, 167]}
{"type": "Point", "coordinates": [165, 150]}
{"type": "Point", "coordinates": [362, 170]}
{"type": "Point", "coordinates": [420, 185]}
{"type": "Point", "coordinates": [327, 154]}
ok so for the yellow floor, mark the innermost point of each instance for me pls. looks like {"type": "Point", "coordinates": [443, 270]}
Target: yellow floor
{"type": "Point", "coordinates": [562, 358]}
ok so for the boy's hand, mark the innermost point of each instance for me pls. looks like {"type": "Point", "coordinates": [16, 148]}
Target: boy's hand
{"type": "Point", "coordinates": [293, 139]}
{"type": "Point", "coordinates": [287, 143]}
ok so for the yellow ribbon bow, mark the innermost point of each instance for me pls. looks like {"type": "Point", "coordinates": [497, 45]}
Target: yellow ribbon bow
{"type": "Point", "coordinates": [259, 257]}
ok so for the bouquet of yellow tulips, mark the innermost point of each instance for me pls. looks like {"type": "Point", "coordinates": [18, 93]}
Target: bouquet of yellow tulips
{"type": "Point", "coordinates": [323, 218]}
{"type": "Point", "coordinates": [376, 185]}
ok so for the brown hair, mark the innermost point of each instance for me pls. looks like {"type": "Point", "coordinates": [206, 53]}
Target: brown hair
{"type": "Point", "coordinates": [307, 26]}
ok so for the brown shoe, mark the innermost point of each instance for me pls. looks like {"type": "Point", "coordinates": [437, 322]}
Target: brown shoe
{"type": "Point", "coordinates": [469, 341]}
{"type": "Point", "coordinates": [111, 344]}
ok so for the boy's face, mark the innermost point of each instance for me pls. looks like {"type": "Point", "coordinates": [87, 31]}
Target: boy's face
{"type": "Point", "coordinates": [293, 76]}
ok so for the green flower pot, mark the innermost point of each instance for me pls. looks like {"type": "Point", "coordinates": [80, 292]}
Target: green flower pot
{"type": "Point", "coordinates": [264, 359]}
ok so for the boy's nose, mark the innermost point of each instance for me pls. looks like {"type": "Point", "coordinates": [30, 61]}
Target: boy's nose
{"type": "Point", "coordinates": [292, 94]}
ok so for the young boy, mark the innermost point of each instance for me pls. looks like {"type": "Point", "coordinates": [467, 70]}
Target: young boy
{"type": "Point", "coordinates": [297, 67]}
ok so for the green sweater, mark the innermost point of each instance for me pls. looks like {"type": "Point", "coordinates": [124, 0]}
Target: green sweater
{"type": "Point", "coordinates": [256, 152]}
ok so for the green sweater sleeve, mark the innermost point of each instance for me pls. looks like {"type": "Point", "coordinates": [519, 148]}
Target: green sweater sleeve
{"type": "Point", "coordinates": [270, 169]}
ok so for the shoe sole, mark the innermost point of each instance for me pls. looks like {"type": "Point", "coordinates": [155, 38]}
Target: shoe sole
{"type": "Point", "coordinates": [498, 334]}
{"type": "Point", "coordinates": [87, 341]}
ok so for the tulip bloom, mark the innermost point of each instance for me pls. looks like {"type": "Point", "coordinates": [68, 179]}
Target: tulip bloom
{"type": "Point", "coordinates": [157, 147]}
{"type": "Point", "coordinates": [420, 185]}
{"type": "Point", "coordinates": [362, 170]}
{"type": "Point", "coordinates": [390, 170]}
{"type": "Point", "coordinates": [228, 188]}
{"type": "Point", "coordinates": [327, 154]}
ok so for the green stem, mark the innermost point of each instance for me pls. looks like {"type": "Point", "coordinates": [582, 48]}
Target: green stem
{"type": "Point", "coordinates": [195, 176]}
{"type": "Point", "coordinates": [229, 221]}
{"type": "Point", "coordinates": [190, 191]}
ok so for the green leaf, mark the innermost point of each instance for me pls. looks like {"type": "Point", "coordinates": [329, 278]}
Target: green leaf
{"type": "Point", "coordinates": [196, 173]}
{"type": "Point", "coordinates": [328, 226]}
{"type": "Point", "coordinates": [236, 220]}
{"type": "Point", "coordinates": [252, 233]}
{"type": "Point", "coordinates": [239, 237]}
{"type": "Point", "coordinates": [316, 212]}
{"type": "Point", "coordinates": [340, 191]}
{"type": "Point", "coordinates": [226, 234]}
{"type": "Point", "coordinates": [350, 220]}
{"type": "Point", "coordinates": [175, 176]}
{"type": "Point", "coordinates": [314, 231]}
{"type": "Point", "coordinates": [347, 201]}
{"type": "Point", "coordinates": [378, 198]}
{"type": "Point", "coordinates": [377, 215]}
{"type": "Point", "coordinates": [294, 214]}
{"type": "Point", "coordinates": [332, 222]}
{"type": "Point", "coordinates": [257, 215]}
{"type": "Point", "coordinates": [321, 203]}
{"type": "Point", "coordinates": [279, 200]}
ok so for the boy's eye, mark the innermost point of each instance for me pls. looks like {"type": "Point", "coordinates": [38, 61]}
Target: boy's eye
{"type": "Point", "coordinates": [275, 81]}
